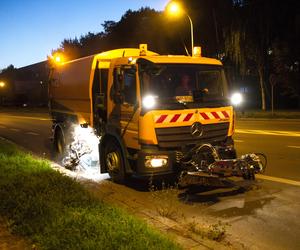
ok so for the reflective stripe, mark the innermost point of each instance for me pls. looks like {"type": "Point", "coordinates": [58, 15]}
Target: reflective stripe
{"type": "Point", "coordinates": [173, 118]}
{"type": "Point", "coordinates": [161, 118]}
{"type": "Point", "coordinates": [215, 114]}
{"type": "Point", "coordinates": [205, 116]}
{"type": "Point", "coordinates": [188, 117]}
{"type": "Point", "coordinates": [225, 114]}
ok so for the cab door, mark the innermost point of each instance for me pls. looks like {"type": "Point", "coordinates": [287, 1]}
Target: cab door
{"type": "Point", "coordinates": [125, 111]}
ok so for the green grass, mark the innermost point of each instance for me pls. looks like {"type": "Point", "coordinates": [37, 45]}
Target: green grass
{"type": "Point", "coordinates": [56, 212]}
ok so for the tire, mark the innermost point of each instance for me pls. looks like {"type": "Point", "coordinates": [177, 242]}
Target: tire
{"type": "Point", "coordinates": [59, 146]}
{"type": "Point", "coordinates": [114, 161]}
{"type": "Point", "coordinates": [59, 143]}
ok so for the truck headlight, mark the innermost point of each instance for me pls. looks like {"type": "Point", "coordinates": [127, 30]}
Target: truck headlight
{"type": "Point", "coordinates": [156, 161]}
{"type": "Point", "coordinates": [236, 99]}
{"type": "Point", "coordinates": [149, 101]}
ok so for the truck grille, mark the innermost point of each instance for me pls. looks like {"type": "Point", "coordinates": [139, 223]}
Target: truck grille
{"type": "Point", "coordinates": [178, 137]}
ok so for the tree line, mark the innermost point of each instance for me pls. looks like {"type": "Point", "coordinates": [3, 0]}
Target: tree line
{"type": "Point", "coordinates": [255, 39]}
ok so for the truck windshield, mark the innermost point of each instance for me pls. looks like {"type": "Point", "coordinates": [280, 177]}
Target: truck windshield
{"type": "Point", "coordinates": [190, 85]}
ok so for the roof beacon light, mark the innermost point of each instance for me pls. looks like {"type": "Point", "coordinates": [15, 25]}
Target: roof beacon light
{"type": "Point", "coordinates": [143, 49]}
{"type": "Point", "coordinates": [197, 51]}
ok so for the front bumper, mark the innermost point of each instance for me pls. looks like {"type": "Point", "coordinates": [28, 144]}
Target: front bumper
{"type": "Point", "coordinates": [173, 166]}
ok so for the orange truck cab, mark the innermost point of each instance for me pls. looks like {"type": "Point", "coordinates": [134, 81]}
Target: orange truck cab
{"type": "Point", "coordinates": [150, 111]}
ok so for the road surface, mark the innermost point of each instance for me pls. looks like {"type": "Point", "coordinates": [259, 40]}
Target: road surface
{"type": "Point", "coordinates": [260, 215]}
{"type": "Point", "coordinates": [279, 140]}
{"type": "Point", "coordinates": [31, 130]}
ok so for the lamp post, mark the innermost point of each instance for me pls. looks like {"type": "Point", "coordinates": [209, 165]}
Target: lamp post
{"type": "Point", "coordinates": [174, 8]}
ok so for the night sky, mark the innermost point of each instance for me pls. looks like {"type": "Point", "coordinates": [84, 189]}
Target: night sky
{"type": "Point", "coordinates": [30, 29]}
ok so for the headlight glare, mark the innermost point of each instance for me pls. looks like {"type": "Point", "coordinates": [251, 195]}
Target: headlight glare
{"type": "Point", "coordinates": [149, 101]}
{"type": "Point", "coordinates": [236, 99]}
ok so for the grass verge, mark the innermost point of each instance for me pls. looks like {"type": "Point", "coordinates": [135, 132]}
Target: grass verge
{"type": "Point", "coordinates": [56, 212]}
{"type": "Point", "coordinates": [166, 200]}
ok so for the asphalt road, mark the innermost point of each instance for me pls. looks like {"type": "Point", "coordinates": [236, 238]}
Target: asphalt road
{"type": "Point", "coordinates": [279, 140]}
{"type": "Point", "coordinates": [260, 215]}
{"type": "Point", "coordinates": [31, 130]}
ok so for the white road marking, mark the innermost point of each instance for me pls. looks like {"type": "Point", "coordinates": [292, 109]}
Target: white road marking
{"type": "Point", "coordinates": [277, 179]}
{"type": "Point", "coordinates": [238, 140]}
{"type": "Point", "coordinates": [268, 132]}
{"type": "Point", "coordinates": [14, 129]}
{"type": "Point", "coordinates": [31, 133]}
{"type": "Point", "coordinates": [28, 117]}
{"type": "Point", "coordinates": [293, 146]}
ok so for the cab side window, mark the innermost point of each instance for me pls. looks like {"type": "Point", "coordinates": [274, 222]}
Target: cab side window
{"type": "Point", "coordinates": [129, 86]}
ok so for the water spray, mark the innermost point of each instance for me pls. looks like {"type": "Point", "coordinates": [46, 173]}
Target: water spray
{"type": "Point", "coordinates": [82, 153]}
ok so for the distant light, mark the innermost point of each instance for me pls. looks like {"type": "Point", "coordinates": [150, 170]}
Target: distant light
{"type": "Point", "coordinates": [2, 84]}
{"type": "Point", "coordinates": [236, 99]}
{"type": "Point", "coordinates": [270, 51]}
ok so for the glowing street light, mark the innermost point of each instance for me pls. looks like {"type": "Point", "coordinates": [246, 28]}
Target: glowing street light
{"type": "Point", "coordinates": [175, 9]}
{"type": "Point", "coordinates": [2, 85]}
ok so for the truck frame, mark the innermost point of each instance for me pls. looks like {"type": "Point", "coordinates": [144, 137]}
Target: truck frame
{"type": "Point", "coordinates": [146, 129]}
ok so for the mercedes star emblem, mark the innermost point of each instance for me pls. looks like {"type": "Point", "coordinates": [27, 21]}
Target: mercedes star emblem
{"type": "Point", "coordinates": [196, 129]}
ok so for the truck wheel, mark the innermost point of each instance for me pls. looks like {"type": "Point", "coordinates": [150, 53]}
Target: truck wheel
{"type": "Point", "coordinates": [114, 161]}
{"type": "Point", "coordinates": [59, 143]}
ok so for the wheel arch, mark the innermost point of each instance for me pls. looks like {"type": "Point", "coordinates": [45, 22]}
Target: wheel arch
{"type": "Point", "coordinates": [103, 141]}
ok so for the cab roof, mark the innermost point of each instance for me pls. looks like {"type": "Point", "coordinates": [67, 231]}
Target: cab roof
{"type": "Point", "coordinates": [181, 59]}
{"type": "Point", "coordinates": [153, 57]}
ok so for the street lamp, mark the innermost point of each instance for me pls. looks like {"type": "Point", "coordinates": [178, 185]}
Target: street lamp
{"type": "Point", "coordinates": [2, 85]}
{"type": "Point", "coordinates": [174, 9]}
